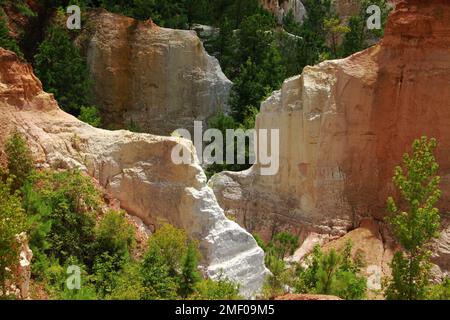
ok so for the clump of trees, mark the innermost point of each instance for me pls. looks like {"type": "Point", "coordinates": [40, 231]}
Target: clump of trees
{"type": "Point", "coordinates": [61, 68]}
{"type": "Point", "coordinates": [331, 272]}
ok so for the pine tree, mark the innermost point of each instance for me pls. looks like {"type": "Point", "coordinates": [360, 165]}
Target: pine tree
{"type": "Point", "coordinates": [335, 31]}
{"type": "Point", "coordinates": [355, 39]}
{"type": "Point", "coordinates": [62, 70]}
{"type": "Point", "coordinates": [189, 275]}
{"type": "Point", "coordinates": [248, 90]}
{"type": "Point", "coordinates": [416, 222]}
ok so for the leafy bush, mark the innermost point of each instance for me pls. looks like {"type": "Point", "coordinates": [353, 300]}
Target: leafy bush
{"type": "Point", "coordinates": [332, 273]}
{"type": "Point", "coordinates": [171, 244]}
{"type": "Point", "coordinates": [156, 274]}
{"type": "Point", "coordinates": [277, 283]}
{"type": "Point", "coordinates": [283, 244]}
{"type": "Point", "coordinates": [221, 289]}
{"type": "Point", "coordinates": [38, 216]}
{"type": "Point", "coordinates": [115, 235]}
{"type": "Point", "coordinates": [105, 273]}
{"type": "Point", "coordinates": [12, 223]}
{"type": "Point", "coordinates": [129, 284]}
{"type": "Point", "coordinates": [67, 201]}
{"type": "Point", "coordinates": [91, 116]}
{"type": "Point", "coordinates": [170, 270]}
{"type": "Point", "coordinates": [439, 291]}
{"type": "Point", "coordinates": [276, 250]}
{"type": "Point", "coordinates": [20, 161]}
{"type": "Point", "coordinates": [56, 281]}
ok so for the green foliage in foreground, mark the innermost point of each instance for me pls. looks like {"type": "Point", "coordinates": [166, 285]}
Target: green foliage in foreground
{"type": "Point", "coordinates": [63, 214]}
{"type": "Point", "coordinates": [331, 273]}
{"type": "Point", "coordinates": [12, 223]}
{"type": "Point", "coordinates": [63, 206]}
{"type": "Point", "coordinates": [414, 221]}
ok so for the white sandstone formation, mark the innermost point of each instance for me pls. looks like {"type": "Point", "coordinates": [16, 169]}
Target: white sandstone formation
{"type": "Point", "coordinates": [137, 169]}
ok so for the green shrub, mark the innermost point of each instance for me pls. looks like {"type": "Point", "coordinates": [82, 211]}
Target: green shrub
{"type": "Point", "coordinates": [221, 289]}
{"type": "Point", "coordinates": [105, 273]}
{"type": "Point", "coordinates": [260, 242]}
{"type": "Point", "coordinates": [91, 116]}
{"type": "Point", "coordinates": [332, 273]}
{"type": "Point", "coordinates": [56, 280]}
{"type": "Point", "coordinates": [156, 274]}
{"type": "Point", "coordinates": [276, 284]}
{"type": "Point", "coordinates": [72, 200]}
{"type": "Point", "coordinates": [283, 244]}
{"type": "Point", "coordinates": [439, 291]}
{"type": "Point", "coordinates": [20, 161]}
{"type": "Point", "coordinates": [12, 223]}
{"type": "Point", "coordinates": [171, 244]}
{"type": "Point", "coordinates": [38, 216]}
{"type": "Point", "coordinates": [277, 249]}
{"type": "Point", "coordinates": [115, 235]}
{"type": "Point", "coordinates": [128, 284]}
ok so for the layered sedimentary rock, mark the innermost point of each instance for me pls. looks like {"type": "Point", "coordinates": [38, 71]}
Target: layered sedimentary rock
{"type": "Point", "coordinates": [344, 126]}
{"type": "Point", "coordinates": [281, 8]}
{"type": "Point", "coordinates": [137, 169]}
{"type": "Point", "coordinates": [154, 78]}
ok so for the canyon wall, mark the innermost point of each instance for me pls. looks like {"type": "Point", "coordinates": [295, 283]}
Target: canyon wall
{"type": "Point", "coordinates": [135, 168]}
{"type": "Point", "coordinates": [344, 125]}
{"type": "Point", "coordinates": [154, 78]}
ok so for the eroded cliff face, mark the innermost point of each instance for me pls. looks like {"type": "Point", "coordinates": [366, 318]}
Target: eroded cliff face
{"type": "Point", "coordinates": [135, 168]}
{"type": "Point", "coordinates": [158, 79]}
{"type": "Point", "coordinates": [344, 125]}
